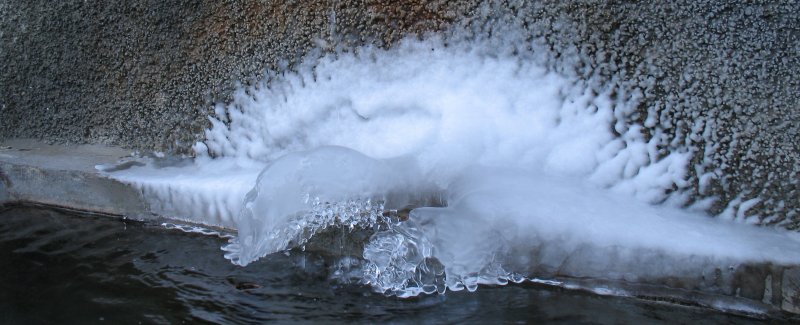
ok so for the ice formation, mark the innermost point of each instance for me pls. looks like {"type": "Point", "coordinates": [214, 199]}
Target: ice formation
{"type": "Point", "coordinates": [541, 171]}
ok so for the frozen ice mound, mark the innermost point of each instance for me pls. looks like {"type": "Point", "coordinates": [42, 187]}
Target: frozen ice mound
{"type": "Point", "coordinates": [304, 192]}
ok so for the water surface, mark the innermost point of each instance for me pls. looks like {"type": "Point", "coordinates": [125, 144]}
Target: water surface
{"type": "Point", "coordinates": [58, 267]}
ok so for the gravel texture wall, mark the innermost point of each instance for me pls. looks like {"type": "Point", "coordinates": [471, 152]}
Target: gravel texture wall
{"type": "Point", "coordinates": [142, 74]}
{"type": "Point", "coordinates": [719, 77]}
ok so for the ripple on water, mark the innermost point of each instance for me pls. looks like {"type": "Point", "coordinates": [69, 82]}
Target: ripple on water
{"type": "Point", "coordinates": [66, 268]}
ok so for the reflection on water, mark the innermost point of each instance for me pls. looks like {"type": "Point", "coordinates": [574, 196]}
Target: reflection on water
{"type": "Point", "coordinates": [61, 268]}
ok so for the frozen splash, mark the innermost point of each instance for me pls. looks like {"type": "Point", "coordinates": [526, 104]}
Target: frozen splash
{"type": "Point", "coordinates": [305, 192]}
{"type": "Point", "coordinates": [449, 106]}
{"type": "Point", "coordinates": [541, 173]}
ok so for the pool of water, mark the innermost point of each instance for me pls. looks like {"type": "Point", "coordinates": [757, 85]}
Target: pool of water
{"type": "Point", "coordinates": [59, 267]}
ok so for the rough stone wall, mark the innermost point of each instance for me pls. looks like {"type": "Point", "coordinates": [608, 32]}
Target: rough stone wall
{"type": "Point", "coordinates": [719, 77]}
{"type": "Point", "coordinates": [143, 74]}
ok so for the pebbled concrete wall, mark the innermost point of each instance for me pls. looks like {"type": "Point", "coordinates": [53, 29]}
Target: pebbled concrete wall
{"type": "Point", "coordinates": [719, 77]}
{"type": "Point", "coordinates": [143, 74]}
{"type": "Point", "coordinates": [722, 78]}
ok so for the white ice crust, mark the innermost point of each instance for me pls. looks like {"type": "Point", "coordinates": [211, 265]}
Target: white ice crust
{"type": "Point", "coordinates": [540, 170]}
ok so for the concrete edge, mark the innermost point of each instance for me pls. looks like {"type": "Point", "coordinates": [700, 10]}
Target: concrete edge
{"type": "Point", "coordinates": [65, 177]}
{"type": "Point", "coordinates": [70, 190]}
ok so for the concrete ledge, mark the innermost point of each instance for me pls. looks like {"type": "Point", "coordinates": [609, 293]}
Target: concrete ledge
{"type": "Point", "coordinates": [65, 177]}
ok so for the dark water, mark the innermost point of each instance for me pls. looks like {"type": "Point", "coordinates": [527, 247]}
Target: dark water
{"type": "Point", "coordinates": [67, 269]}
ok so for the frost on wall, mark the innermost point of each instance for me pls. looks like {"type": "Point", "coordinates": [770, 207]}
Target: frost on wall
{"type": "Point", "coordinates": [716, 79]}
{"type": "Point", "coordinates": [548, 151]}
